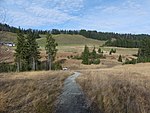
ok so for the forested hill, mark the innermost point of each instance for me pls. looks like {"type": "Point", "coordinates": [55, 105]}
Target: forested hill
{"type": "Point", "coordinates": [113, 39]}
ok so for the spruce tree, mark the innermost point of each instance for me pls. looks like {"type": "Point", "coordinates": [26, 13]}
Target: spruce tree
{"type": "Point", "coordinates": [33, 54]}
{"type": "Point", "coordinates": [85, 55]}
{"type": "Point", "coordinates": [99, 50]}
{"type": "Point", "coordinates": [144, 51]}
{"type": "Point", "coordinates": [20, 50]}
{"type": "Point", "coordinates": [50, 50]}
{"type": "Point", "coordinates": [120, 58]}
{"type": "Point", "coordinates": [93, 54]}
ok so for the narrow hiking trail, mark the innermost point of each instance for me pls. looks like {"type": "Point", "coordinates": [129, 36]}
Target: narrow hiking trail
{"type": "Point", "coordinates": [72, 99]}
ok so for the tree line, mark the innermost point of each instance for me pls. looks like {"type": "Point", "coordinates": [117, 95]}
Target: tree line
{"type": "Point", "coordinates": [124, 42]}
{"type": "Point", "coordinates": [143, 54]}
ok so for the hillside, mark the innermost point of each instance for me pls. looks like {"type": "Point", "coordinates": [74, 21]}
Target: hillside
{"type": "Point", "coordinates": [68, 40]}
{"type": "Point", "coordinates": [61, 39]}
{"type": "Point", "coordinates": [8, 37]}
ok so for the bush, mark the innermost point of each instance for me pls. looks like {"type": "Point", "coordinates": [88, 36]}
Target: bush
{"type": "Point", "coordinates": [77, 57]}
{"type": "Point", "coordinates": [100, 50]}
{"type": "Point", "coordinates": [133, 61]}
{"type": "Point", "coordinates": [68, 57]}
{"type": "Point", "coordinates": [112, 51]}
{"type": "Point", "coordinates": [71, 56]}
{"type": "Point", "coordinates": [56, 66]}
{"type": "Point", "coordinates": [143, 59]}
{"type": "Point", "coordinates": [6, 67]}
{"type": "Point", "coordinates": [96, 61]}
{"type": "Point", "coordinates": [120, 58]}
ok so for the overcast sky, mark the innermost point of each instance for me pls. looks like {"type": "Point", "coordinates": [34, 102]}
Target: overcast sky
{"type": "Point", "coordinates": [123, 16]}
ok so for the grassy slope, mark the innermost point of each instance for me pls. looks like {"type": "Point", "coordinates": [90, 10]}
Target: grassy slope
{"type": "Point", "coordinates": [62, 39]}
{"type": "Point", "coordinates": [70, 40]}
{"type": "Point", "coordinates": [121, 89]}
{"type": "Point", "coordinates": [8, 37]}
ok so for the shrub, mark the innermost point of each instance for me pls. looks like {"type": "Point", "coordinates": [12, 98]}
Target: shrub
{"type": "Point", "coordinates": [120, 58]}
{"type": "Point", "coordinates": [56, 66]}
{"type": "Point", "coordinates": [96, 61]}
{"type": "Point", "coordinates": [6, 67]}
{"type": "Point", "coordinates": [112, 51]}
{"type": "Point", "coordinates": [77, 57]}
{"type": "Point", "coordinates": [133, 61]}
{"type": "Point", "coordinates": [68, 57]}
{"type": "Point", "coordinates": [143, 59]}
{"type": "Point", "coordinates": [100, 50]}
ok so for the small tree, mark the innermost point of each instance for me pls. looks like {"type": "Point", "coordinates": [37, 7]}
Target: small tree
{"type": "Point", "coordinates": [112, 51]}
{"type": "Point", "coordinates": [96, 61]}
{"type": "Point", "coordinates": [120, 58]}
{"type": "Point", "coordinates": [99, 50]}
{"type": "Point", "coordinates": [50, 50]}
{"type": "Point", "coordinates": [93, 54]}
{"type": "Point", "coordinates": [85, 55]}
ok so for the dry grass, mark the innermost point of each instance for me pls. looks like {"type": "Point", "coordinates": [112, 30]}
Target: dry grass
{"type": "Point", "coordinates": [30, 92]}
{"type": "Point", "coordinates": [8, 37]}
{"type": "Point", "coordinates": [123, 51]}
{"type": "Point", "coordinates": [6, 54]}
{"type": "Point", "coordinates": [74, 64]}
{"type": "Point", "coordinates": [122, 89]}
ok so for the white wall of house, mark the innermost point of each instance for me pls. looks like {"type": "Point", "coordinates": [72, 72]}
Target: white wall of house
{"type": "Point", "coordinates": [10, 44]}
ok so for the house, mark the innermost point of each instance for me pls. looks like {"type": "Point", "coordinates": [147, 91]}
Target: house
{"type": "Point", "coordinates": [10, 44]}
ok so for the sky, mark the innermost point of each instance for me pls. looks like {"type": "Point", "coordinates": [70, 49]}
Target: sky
{"type": "Point", "coordinates": [122, 16]}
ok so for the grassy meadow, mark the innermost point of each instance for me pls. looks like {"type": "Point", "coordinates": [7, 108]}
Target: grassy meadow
{"type": "Point", "coordinates": [121, 89]}
{"type": "Point", "coordinates": [70, 40]}
{"type": "Point", "coordinates": [30, 92]}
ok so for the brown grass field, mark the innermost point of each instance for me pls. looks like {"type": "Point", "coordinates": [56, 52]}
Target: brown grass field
{"type": "Point", "coordinates": [121, 89]}
{"type": "Point", "coordinates": [30, 92]}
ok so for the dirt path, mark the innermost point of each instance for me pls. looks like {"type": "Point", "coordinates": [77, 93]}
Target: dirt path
{"type": "Point", "coordinates": [72, 99]}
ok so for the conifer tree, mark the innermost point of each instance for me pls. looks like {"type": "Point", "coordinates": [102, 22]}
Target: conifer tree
{"type": "Point", "coordinates": [120, 58]}
{"type": "Point", "coordinates": [144, 51]}
{"type": "Point", "coordinates": [99, 50]}
{"type": "Point", "coordinates": [50, 50]}
{"type": "Point", "coordinates": [85, 55]}
{"type": "Point", "coordinates": [20, 50]}
{"type": "Point", "coordinates": [33, 54]}
{"type": "Point", "coordinates": [93, 54]}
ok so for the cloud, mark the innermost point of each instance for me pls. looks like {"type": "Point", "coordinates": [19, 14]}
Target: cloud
{"type": "Point", "coordinates": [118, 16]}
{"type": "Point", "coordinates": [39, 13]}
{"type": "Point", "coordinates": [128, 16]}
